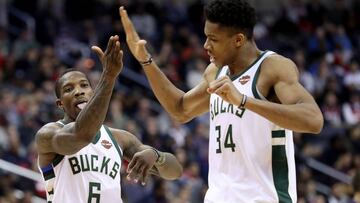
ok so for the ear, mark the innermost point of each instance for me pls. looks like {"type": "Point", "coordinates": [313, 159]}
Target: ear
{"type": "Point", "coordinates": [59, 104]}
{"type": "Point", "coordinates": [240, 39]}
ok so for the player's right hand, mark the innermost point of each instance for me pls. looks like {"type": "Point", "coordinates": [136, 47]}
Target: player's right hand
{"type": "Point", "coordinates": [135, 44]}
{"type": "Point", "coordinates": [111, 60]}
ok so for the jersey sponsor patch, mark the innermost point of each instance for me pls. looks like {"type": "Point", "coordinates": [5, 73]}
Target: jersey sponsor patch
{"type": "Point", "coordinates": [106, 144]}
{"type": "Point", "coordinates": [244, 79]}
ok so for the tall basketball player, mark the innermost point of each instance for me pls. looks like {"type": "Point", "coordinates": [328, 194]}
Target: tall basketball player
{"type": "Point", "coordinates": [255, 101]}
{"type": "Point", "coordinates": [79, 158]}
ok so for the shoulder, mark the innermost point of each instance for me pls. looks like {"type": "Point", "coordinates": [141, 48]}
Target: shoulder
{"type": "Point", "coordinates": [118, 132]}
{"type": "Point", "coordinates": [279, 67]}
{"type": "Point", "coordinates": [48, 130]}
{"type": "Point", "coordinates": [128, 142]}
{"type": "Point", "coordinates": [124, 138]}
{"type": "Point", "coordinates": [44, 134]}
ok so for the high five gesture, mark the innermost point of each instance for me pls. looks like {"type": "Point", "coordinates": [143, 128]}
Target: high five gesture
{"type": "Point", "coordinates": [136, 45]}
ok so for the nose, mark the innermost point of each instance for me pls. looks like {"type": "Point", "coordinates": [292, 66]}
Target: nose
{"type": "Point", "coordinates": [79, 92]}
{"type": "Point", "coordinates": [206, 44]}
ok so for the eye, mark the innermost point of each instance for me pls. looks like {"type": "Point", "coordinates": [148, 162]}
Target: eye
{"type": "Point", "coordinates": [85, 85]}
{"type": "Point", "coordinates": [67, 89]}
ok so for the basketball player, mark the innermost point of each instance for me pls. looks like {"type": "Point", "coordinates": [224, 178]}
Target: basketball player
{"type": "Point", "coordinates": [79, 157]}
{"type": "Point", "coordinates": [255, 101]}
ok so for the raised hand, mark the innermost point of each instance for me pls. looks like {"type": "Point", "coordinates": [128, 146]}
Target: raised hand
{"type": "Point", "coordinates": [135, 44]}
{"type": "Point", "coordinates": [111, 60]}
{"type": "Point", "coordinates": [140, 165]}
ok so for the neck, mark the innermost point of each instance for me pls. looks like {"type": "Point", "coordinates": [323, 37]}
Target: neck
{"type": "Point", "coordinates": [246, 55]}
{"type": "Point", "coordinates": [67, 119]}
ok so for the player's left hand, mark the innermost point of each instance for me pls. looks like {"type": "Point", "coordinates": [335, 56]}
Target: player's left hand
{"type": "Point", "coordinates": [224, 87]}
{"type": "Point", "coordinates": [140, 165]}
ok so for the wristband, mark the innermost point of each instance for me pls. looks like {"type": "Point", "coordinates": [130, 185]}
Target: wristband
{"type": "Point", "coordinates": [148, 62]}
{"type": "Point", "coordinates": [243, 102]}
{"type": "Point", "coordinates": [160, 157]}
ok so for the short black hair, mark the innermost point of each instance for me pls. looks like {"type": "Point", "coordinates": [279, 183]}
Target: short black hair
{"type": "Point", "coordinates": [59, 81]}
{"type": "Point", "coordinates": [237, 14]}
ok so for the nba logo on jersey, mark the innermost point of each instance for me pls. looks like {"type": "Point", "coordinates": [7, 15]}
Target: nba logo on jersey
{"type": "Point", "coordinates": [244, 79]}
{"type": "Point", "coordinates": [106, 144]}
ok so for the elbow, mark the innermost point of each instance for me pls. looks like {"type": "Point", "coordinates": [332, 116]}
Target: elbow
{"type": "Point", "coordinates": [179, 172]}
{"type": "Point", "coordinates": [176, 174]}
{"type": "Point", "coordinates": [181, 114]}
{"type": "Point", "coordinates": [316, 124]}
{"type": "Point", "coordinates": [182, 119]}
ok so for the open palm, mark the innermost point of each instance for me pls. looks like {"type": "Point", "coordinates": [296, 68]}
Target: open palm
{"type": "Point", "coordinates": [135, 44]}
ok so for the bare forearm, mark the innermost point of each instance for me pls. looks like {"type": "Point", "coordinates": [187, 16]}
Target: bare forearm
{"type": "Point", "coordinates": [304, 117]}
{"type": "Point", "coordinates": [93, 115]}
{"type": "Point", "coordinates": [167, 93]}
{"type": "Point", "coordinates": [171, 169]}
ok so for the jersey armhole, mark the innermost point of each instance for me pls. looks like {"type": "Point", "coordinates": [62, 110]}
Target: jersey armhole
{"type": "Point", "coordinates": [114, 142]}
{"type": "Point", "coordinates": [257, 94]}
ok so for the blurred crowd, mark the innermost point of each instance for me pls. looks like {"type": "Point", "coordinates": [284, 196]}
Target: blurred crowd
{"type": "Point", "coordinates": [322, 39]}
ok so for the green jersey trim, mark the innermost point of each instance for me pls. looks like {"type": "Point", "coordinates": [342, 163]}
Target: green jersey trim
{"type": "Point", "coordinates": [280, 169]}
{"type": "Point", "coordinates": [114, 141]}
{"type": "Point", "coordinates": [58, 158]}
{"type": "Point", "coordinates": [218, 73]}
{"type": "Point", "coordinates": [254, 89]}
{"type": "Point", "coordinates": [234, 77]}
{"type": "Point", "coordinates": [96, 138]}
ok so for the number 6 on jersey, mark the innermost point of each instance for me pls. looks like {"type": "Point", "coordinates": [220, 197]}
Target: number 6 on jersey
{"type": "Point", "coordinates": [93, 188]}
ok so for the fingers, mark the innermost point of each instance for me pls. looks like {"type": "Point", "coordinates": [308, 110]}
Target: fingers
{"type": "Point", "coordinates": [117, 50]}
{"type": "Point", "coordinates": [98, 51]}
{"type": "Point", "coordinates": [134, 168]}
{"type": "Point", "coordinates": [127, 24]}
{"type": "Point", "coordinates": [222, 90]}
{"type": "Point", "coordinates": [131, 164]}
{"type": "Point", "coordinates": [145, 175]}
{"type": "Point", "coordinates": [114, 50]}
{"type": "Point", "coordinates": [137, 172]}
{"type": "Point", "coordinates": [141, 45]}
{"type": "Point", "coordinates": [111, 44]}
{"type": "Point", "coordinates": [133, 172]}
{"type": "Point", "coordinates": [113, 41]}
{"type": "Point", "coordinates": [216, 84]}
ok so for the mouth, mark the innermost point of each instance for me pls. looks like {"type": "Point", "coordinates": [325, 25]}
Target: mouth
{"type": "Point", "coordinates": [212, 58]}
{"type": "Point", "coordinates": [81, 105]}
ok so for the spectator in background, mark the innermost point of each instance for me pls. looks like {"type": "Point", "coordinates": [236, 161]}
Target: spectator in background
{"type": "Point", "coordinates": [351, 109]}
{"type": "Point", "coordinates": [332, 115]}
{"type": "Point", "coordinates": [352, 78]}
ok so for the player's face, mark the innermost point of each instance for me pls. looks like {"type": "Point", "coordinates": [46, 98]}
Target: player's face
{"type": "Point", "coordinates": [75, 93]}
{"type": "Point", "coordinates": [220, 44]}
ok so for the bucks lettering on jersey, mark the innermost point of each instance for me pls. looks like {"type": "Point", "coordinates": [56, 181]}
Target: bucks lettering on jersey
{"type": "Point", "coordinates": [92, 175]}
{"type": "Point", "coordinates": [250, 158]}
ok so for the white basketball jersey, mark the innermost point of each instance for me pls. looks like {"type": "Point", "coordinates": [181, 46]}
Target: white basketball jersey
{"type": "Point", "coordinates": [92, 175]}
{"type": "Point", "coordinates": [251, 160]}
